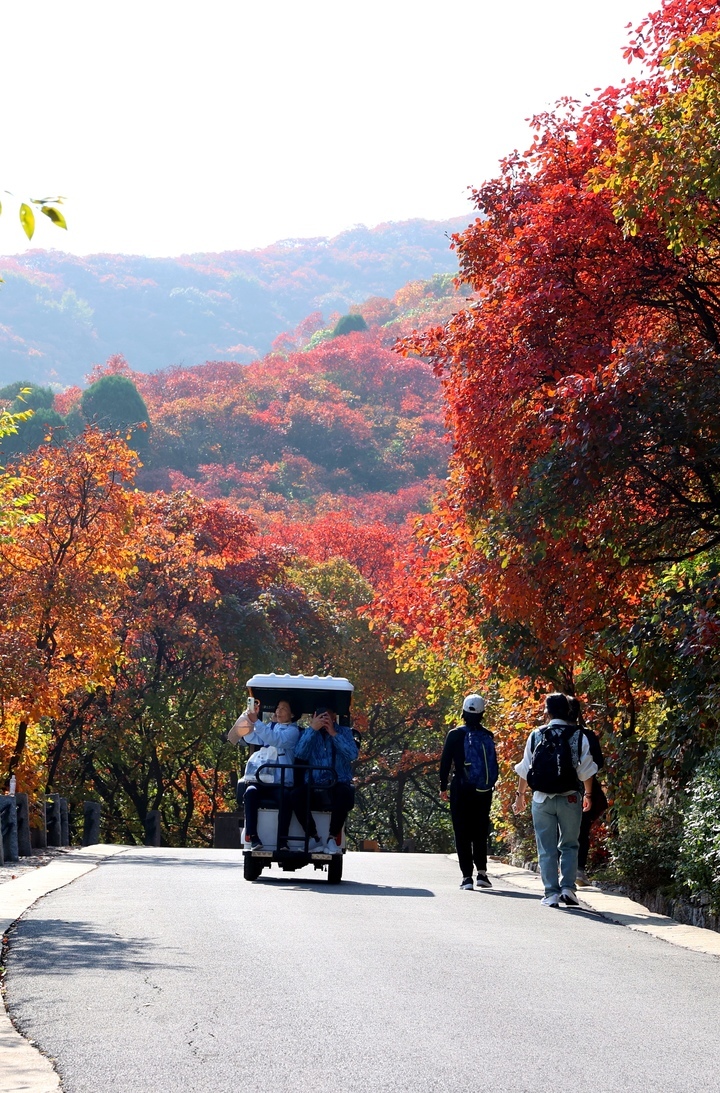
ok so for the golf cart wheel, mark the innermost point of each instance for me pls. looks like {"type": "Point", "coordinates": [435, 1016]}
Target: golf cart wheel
{"type": "Point", "coordinates": [252, 867]}
{"type": "Point", "coordinates": [335, 869]}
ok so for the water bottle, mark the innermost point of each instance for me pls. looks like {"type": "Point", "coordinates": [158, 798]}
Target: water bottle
{"type": "Point", "coordinates": [13, 783]}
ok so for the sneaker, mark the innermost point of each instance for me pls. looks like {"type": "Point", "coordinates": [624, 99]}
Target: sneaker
{"type": "Point", "coordinates": [582, 879]}
{"type": "Point", "coordinates": [255, 843]}
{"type": "Point", "coordinates": [316, 846]}
{"type": "Point", "coordinates": [569, 898]}
{"type": "Point", "coordinates": [467, 883]}
{"type": "Point", "coordinates": [283, 848]}
{"type": "Point", "coordinates": [553, 900]}
{"type": "Point", "coordinates": [332, 846]}
{"type": "Point", "coordinates": [483, 881]}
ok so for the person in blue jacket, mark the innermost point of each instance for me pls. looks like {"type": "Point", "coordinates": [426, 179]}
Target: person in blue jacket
{"type": "Point", "coordinates": [281, 733]}
{"type": "Point", "coordinates": [325, 743]}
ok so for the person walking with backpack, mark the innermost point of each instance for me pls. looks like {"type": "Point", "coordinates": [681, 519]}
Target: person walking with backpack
{"type": "Point", "coordinates": [557, 759]}
{"type": "Point", "coordinates": [598, 800]}
{"type": "Point", "coordinates": [470, 750]}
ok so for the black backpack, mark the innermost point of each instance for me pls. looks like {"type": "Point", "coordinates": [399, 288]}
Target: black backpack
{"type": "Point", "coordinates": [555, 756]}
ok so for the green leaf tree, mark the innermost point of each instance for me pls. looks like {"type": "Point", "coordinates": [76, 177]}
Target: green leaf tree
{"type": "Point", "coordinates": [347, 324]}
{"type": "Point", "coordinates": [114, 404]}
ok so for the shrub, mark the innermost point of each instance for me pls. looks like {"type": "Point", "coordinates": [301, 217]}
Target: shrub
{"type": "Point", "coordinates": [699, 865]}
{"type": "Point", "coordinates": [35, 397]}
{"type": "Point", "coordinates": [114, 403]}
{"type": "Point", "coordinates": [645, 851]}
{"type": "Point", "coordinates": [33, 432]}
{"type": "Point", "coordinates": [520, 835]}
{"type": "Point", "coordinates": [346, 324]}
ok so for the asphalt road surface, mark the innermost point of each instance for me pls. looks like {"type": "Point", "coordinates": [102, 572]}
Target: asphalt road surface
{"type": "Point", "coordinates": [163, 970]}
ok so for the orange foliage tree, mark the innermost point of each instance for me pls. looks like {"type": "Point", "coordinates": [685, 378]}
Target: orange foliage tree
{"type": "Point", "coordinates": [62, 576]}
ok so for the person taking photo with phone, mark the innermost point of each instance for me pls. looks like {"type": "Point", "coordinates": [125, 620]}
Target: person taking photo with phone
{"type": "Point", "coordinates": [325, 744]}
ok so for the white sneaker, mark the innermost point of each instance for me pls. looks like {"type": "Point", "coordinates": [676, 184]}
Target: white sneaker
{"type": "Point", "coordinates": [333, 848]}
{"type": "Point", "coordinates": [553, 900]}
{"type": "Point", "coordinates": [582, 879]}
{"type": "Point", "coordinates": [569, 898]}
{"type": "Point", "coordinates": [316, 846]}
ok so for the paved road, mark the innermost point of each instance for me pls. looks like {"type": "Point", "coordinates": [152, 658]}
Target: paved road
{"type": "Point", "coordinates": [164, 971]}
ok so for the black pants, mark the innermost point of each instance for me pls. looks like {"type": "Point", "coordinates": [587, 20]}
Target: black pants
{"type": "Point", "coordinates": [470, 812]}
{"type": "Point", "coordinates": [260, 795]}
{"type": "Point", "coordinates": [338, 799]}
{"type": "Point", "coordinates": [599, 805]}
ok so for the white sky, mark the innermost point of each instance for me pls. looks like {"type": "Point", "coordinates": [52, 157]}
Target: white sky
{"type": "Point", "coordinates": [175, 126]}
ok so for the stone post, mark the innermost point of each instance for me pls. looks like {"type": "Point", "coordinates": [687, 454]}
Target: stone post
{"type": "Point", "coordinates": [226, 831]}
{"type": "Point", "coordinates": [64, 823]}
{"type": "Point", "coordinates": [53, 821]}
{"type": "Point", "coordinates": [8, 828]}
{"type": "Point", "coordinates": [152, 828]}
{"type": "Point", "coordinates": [91, 823]}
{"type": "Point", "coordinates": [23, 825]}
{"type": "Point", "coordinates": [38, 830]}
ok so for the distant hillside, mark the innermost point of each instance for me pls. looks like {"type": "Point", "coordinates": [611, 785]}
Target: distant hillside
{"type": "Point", "coordinates": [60, 314]}
{"type": "Point", "coordinates": [327, 421]}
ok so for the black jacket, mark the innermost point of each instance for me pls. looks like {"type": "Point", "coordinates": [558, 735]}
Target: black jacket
{"type": "Point", "coordinates": [453, 754]}
{"type": "Point", "coordinates": [595, 749]}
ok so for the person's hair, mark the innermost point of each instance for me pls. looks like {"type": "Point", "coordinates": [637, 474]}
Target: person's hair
{"type": "Point", "coordinates": [471, 719]}
{"type": "Point", "coordinates": [557, 706]}
{"type": "Point", "coordinates": [575, 709]}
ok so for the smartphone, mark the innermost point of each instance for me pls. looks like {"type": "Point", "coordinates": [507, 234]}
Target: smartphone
{"type": "Point", "coordinates": [251, 704]}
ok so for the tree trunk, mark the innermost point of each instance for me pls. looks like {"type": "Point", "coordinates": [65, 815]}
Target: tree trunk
{"type": "Point", "coordinates": [17, 750]}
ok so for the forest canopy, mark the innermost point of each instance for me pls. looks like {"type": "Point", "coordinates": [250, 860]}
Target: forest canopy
{"type": "Point", "coordinates": [507, 482]}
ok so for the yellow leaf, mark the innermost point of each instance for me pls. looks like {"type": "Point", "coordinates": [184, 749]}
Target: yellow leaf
{"type": "Point", "coordinates": [27, 219]}
{"type": "Point", "coordinates": [55, 215]}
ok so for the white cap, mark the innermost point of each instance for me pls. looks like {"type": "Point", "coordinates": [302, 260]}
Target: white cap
{"type": "Point", "coordinates": [474, 704]}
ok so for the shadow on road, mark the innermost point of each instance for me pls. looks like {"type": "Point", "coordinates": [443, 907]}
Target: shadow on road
{"type": "Point", "coordinates": [184, 862]}
{"type": "Point", "coordinates": [507, 894]}
{"type": "Point", "coordinates": [57, 947]}
{"type": "Point", "coordinates": [315, 884]}
{"type": "Point", "coordinates": [583, 912]}
{"type": "Point", "coordinates": [345, 888]}
{"type": "Point", "coordinates": [575, 912]}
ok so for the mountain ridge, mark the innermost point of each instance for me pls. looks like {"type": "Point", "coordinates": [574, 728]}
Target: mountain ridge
{"type": "Point", "coordinates": [62, 313]}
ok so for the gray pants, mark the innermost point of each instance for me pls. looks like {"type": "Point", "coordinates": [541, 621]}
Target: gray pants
{"type": "Point", "coordinates": [557, 832]}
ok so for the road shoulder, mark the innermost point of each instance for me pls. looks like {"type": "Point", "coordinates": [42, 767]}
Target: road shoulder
{"type": "Point", "coordinates": [23, 1069]}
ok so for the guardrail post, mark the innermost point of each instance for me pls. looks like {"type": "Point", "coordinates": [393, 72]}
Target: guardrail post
{"type": "Point", "coordinates": [91, 823]}
{"type": "Point", "coordinates": [23, 825]}
{"type": "Point", "coordinates": [38, 829]}
{"type": "Point", "coordinates": [64, 823]}
{"type": "Point", "coordinates": [52, 821]}
{"type": "Point", "coordinates": [8, 827]}
{"type": "Point", "coordinates": [152, 828]}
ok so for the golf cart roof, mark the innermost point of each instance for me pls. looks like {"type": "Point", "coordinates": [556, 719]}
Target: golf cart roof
{"type": "Point", "coordinates": [305, 692]}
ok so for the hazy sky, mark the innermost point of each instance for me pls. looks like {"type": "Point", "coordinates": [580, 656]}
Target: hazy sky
{"type": "Point", "coordinates": [175, 126]}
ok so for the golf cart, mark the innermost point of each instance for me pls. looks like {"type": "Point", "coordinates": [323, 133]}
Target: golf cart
{"type": "Point", "coordinates": [306, 694]}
